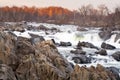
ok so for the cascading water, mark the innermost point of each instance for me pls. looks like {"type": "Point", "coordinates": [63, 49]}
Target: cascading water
{"type": "Point", "coordinates": [88, 36]}
{"type": "Point", "coordinates": [69, 33]}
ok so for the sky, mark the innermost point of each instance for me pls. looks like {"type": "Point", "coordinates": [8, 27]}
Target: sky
{"type": "Point", "coordinates": [70, 4]}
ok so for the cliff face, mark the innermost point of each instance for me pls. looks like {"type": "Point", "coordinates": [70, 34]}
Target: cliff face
{"type": "Point", "coordinates": [22, 60]}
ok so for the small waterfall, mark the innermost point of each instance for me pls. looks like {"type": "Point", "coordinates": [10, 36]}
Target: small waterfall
{"type": "Point", "coordinates": [91, 37]}
{"type": "Point", "coordinates": [113, 41]}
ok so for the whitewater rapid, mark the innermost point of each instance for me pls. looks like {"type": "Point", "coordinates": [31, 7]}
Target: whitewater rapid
{"type": "Point", "coordinates": [69, 33]}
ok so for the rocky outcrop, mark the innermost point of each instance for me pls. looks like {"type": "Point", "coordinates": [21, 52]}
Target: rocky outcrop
{"type": "Point", "coordinates": [45, 64]}
{"type": "Point", "coordinates": [107, 46]}
{"type": "Point", "coordinates": [116, 56]}
{"type": "Point", "coordinates": [7, 49]}
{"type": "Point", "coordinates": [33, 61]}
{"type": "Point", "coordinates": [92, 73]}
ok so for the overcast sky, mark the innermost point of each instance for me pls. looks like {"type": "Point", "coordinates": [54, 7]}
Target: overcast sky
{"type": "Point", "coordinates": [70, 4]}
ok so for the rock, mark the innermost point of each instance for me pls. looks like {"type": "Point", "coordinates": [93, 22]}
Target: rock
{"type": "Point", "coordinates": [107, 46]}
{"type": "Point", "coordinates": [81, 59]}
{"type": "Point", "coordinates": [24, 47]}
{"type": "Point", "coordinates": [78, 51]}
{"type": "Point", "coordinates": [20, 29]}
{"type": "Point", "coordinates": [115, 71]}
{"type": "Point", "coordinates": [22, 60]}
{"type": "Point", "coordinates": [65, 44]}
{"type": "Point", "coordinates": [86, 44]}
{"type": "Point", "coordinates": [53, 29]}
{"type": "Point", "coordinates": [72, 65]}
{"type": "Point", "coordinates": [7, 50]}
{"type": "Point", "coordinates": [57, 44]}
{"type": "Point", "coordinates": [81, 29]}
{"type": "Point", "coordinates": [53, 41]}
{"type": "Point", "coordinates": [36, 38]}
{"type": "Point", "coordinates": [46, 64]}
{"type": "Point", "coordinates": [92, 73]}
{"type": "Point", "coordinates": [102, 52]}
{"type": "Point", "coordinates": [80, 73]}
{"type": "Point", "coordinates": [6, 73]}
{"type": "Point", "coordinates": [116, 56]}
{"type": "Point", "coordinates": [42, 27]}
{"type": "Point", "coordinates": [105, 35]}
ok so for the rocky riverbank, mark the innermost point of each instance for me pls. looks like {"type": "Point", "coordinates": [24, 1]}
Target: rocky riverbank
{"type": "Point", "coordinates": [28, 59]}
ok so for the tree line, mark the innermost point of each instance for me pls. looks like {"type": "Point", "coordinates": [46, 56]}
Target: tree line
{"type": "Point", "coordinates": [84, 16]}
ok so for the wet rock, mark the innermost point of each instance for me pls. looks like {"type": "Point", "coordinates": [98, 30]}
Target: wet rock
{"type": "Point", "coordinates": [116, 55]}
{"type": "Point", "coordinates": [6, 73]}
{"type": "Point", "coordinates": [102, 52]}
{"type": "Point", "coordinates": [107, 46]}
{"type": "Point", "coordinates": [86, 44]}
{"type": "Point", "coordinates": [65, 44]}
{"type": "Point", "coordinates": [57, 44]}
{"type": "Point", "coordinates": [105, 35]}
{"type": "Point", "coordinates": [81, 59]}
{"type": "Point", "coordinates": [92, 73]}
{"type": "Point", "coordinates": [115, 71]}
{"type": "Point", "coordinates": [78, 51]}
{"type": "Point", "coordinates": [53, 41]}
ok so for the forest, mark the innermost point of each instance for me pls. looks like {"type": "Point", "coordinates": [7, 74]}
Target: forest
{"type": "Point", "coordinates": [84, 16]}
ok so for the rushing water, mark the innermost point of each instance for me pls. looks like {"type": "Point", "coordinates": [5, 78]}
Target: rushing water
{"type": "Point", "coordinates": [69, 33]}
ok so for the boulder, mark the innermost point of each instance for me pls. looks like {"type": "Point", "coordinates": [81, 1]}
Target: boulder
{"type": "Point", "coordinates": [116, 55]}
{"type": "Point", "coordinates": [86, 44]}
{"type": "Point", "coordinates": [78, 51]}
{"type": "Point", "coordinates": [65, 44]}
{"type": "Point", "coordinates": [107, 46]}
{"type": "Point", "coordinates": [102, 52]}
{"type": "Point", "coordinates": [81, 59]}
